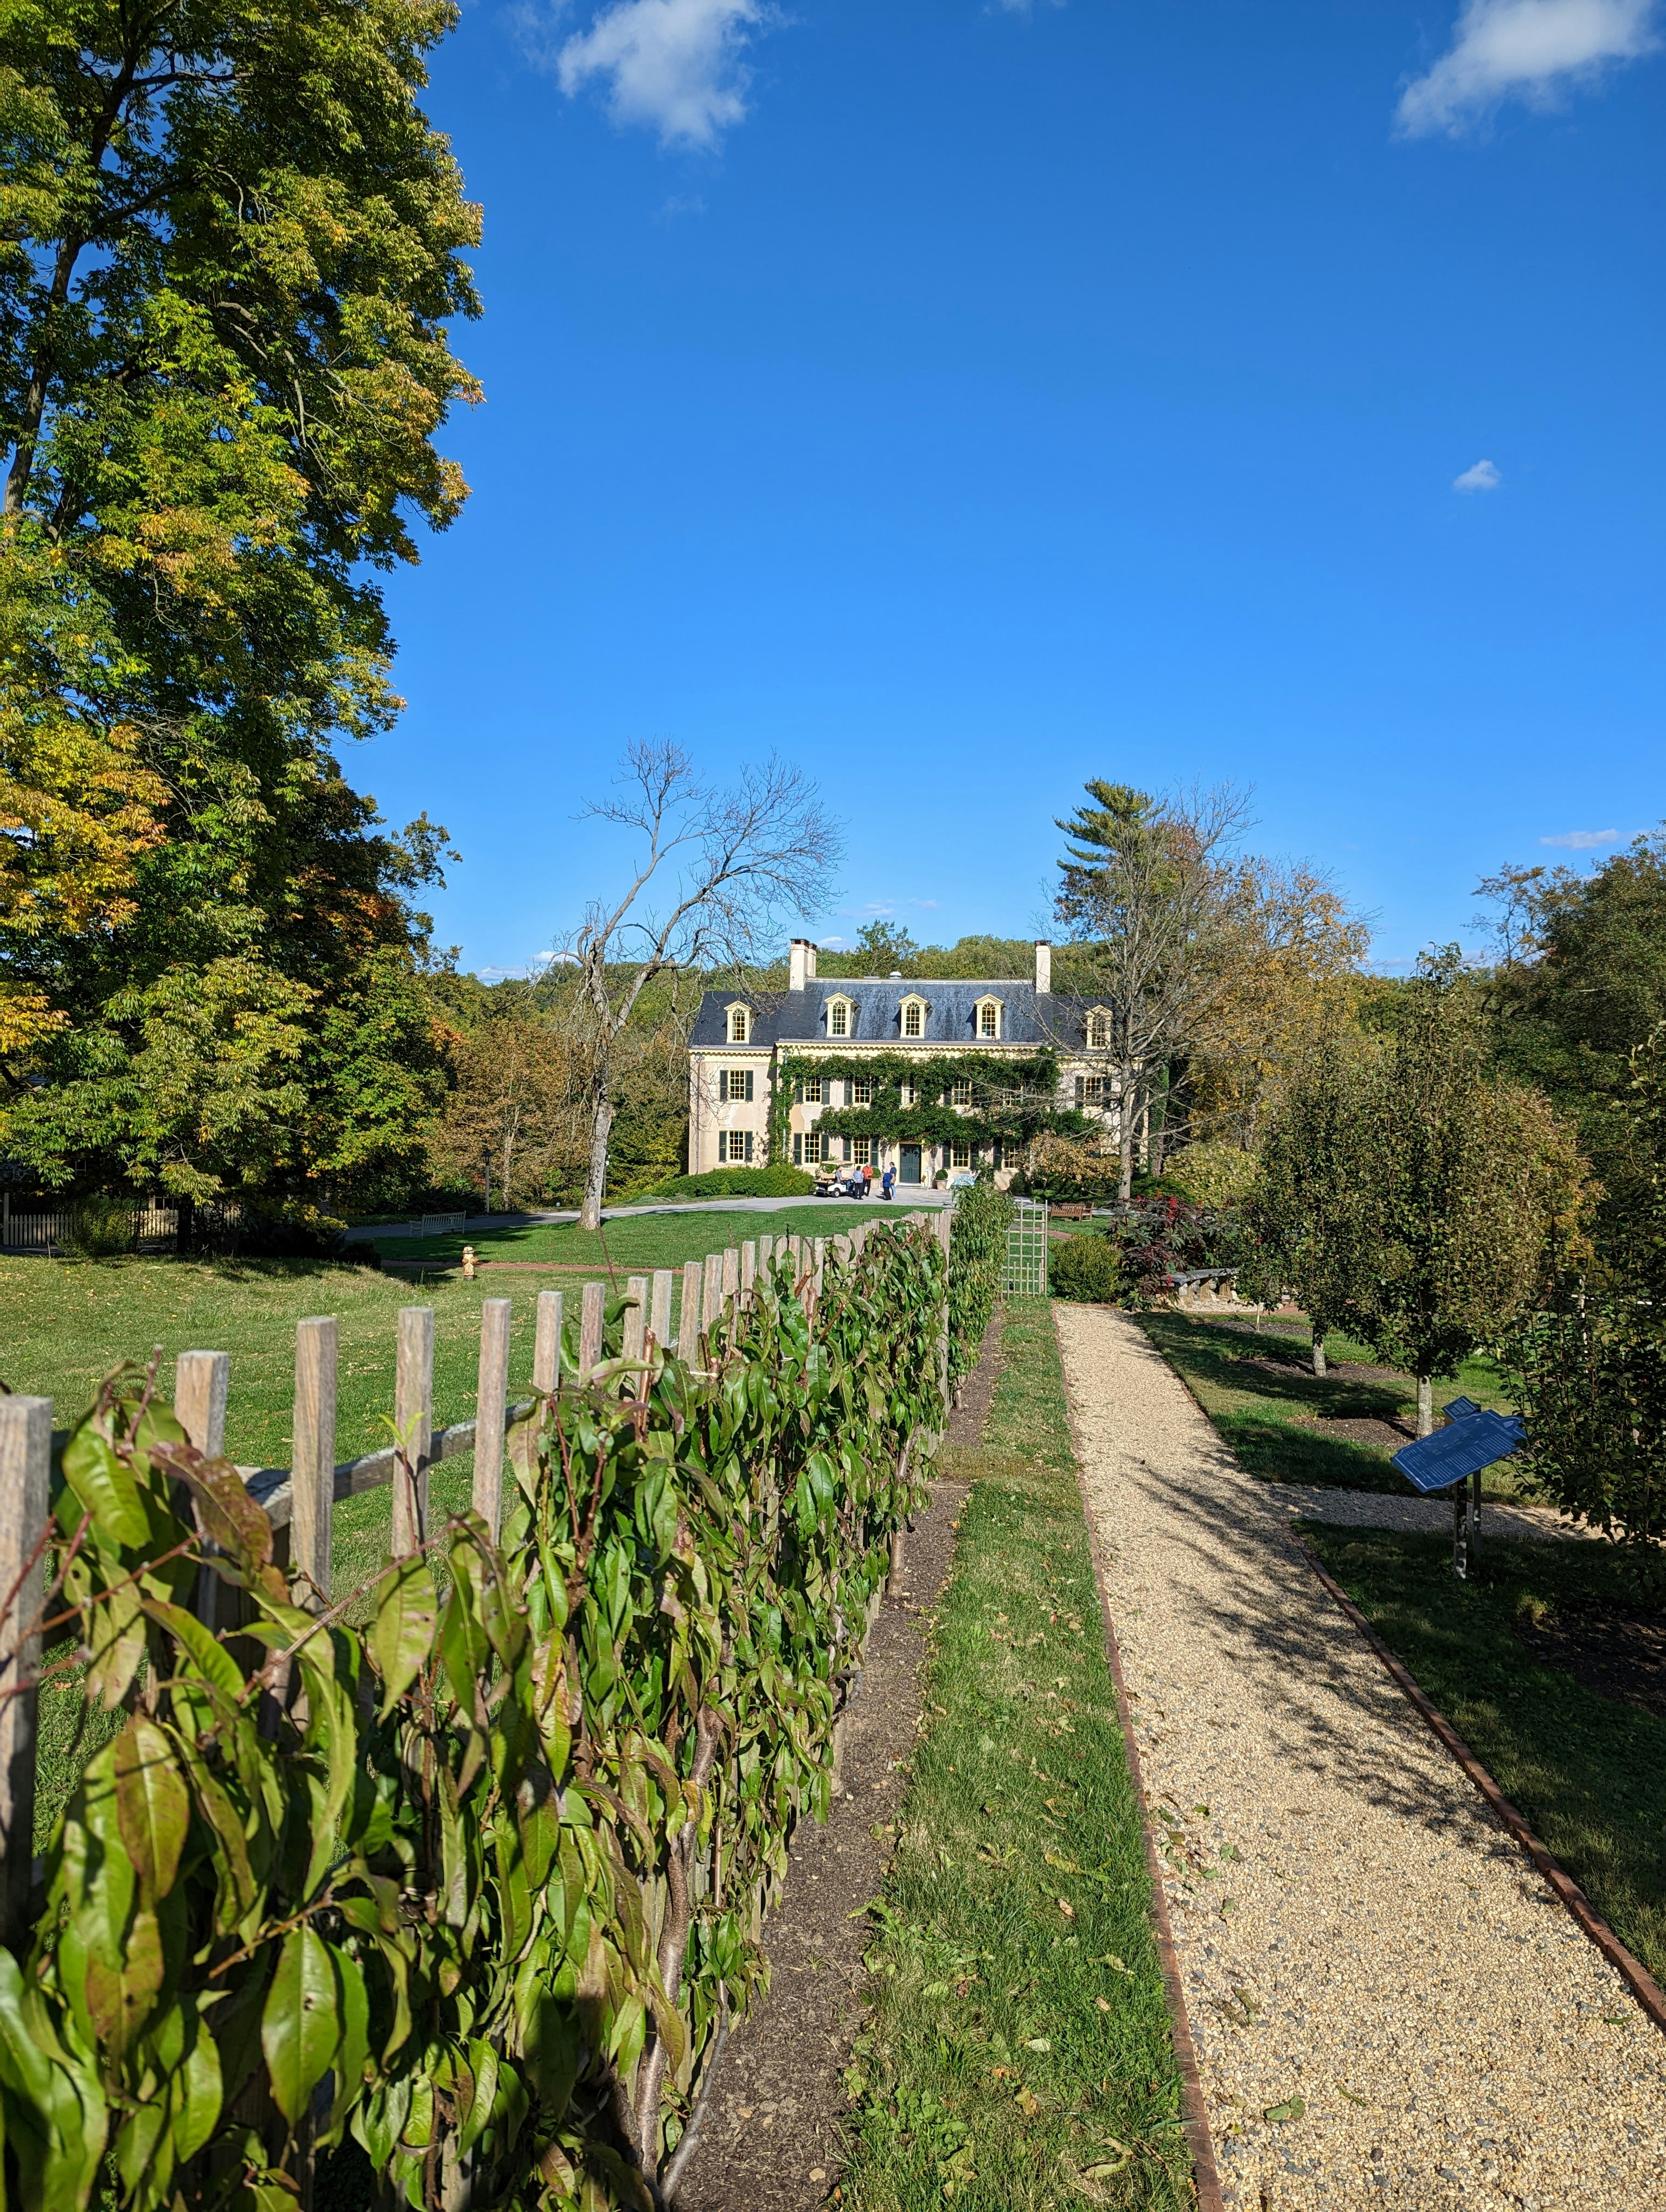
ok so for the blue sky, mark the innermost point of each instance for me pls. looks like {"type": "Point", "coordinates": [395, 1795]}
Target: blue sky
{"type": "Point", "coordinates": [964, 400]}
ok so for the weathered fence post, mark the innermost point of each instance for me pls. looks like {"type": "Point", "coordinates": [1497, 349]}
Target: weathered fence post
{"type": "Point", "coordinates": [635, 1320]}
{"type": "Point", "coordinates": [413, 1418]}
{"type": "Point", "coordinates": [748, 1271]}
{"type": "Point", "coordinates": [732, 1277]}
{"type": "Point", "coordinates": [688, 1316]}
{"type": "Point", "coordinates": [590, 1328]}
{"type": "Point", "coordinates": [766, 1255]}
{"type": "Point", "coordinates": [546, 1343]}
{"type": "Point", "coordinates": [312, 1468]}
{"type": "Point", "coordinates": [491, 1409]}
{"type": "Point", "coordinates": [659, 1319]}
{"type": "Point", "coordinates": [711, 1300]}
{"type": "Point", "coordinates": [202, 1381]}
{"type": "Point", "coordinates": [26, 1460]}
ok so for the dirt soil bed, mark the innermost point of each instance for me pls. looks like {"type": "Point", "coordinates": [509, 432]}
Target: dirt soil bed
{"type": "Point", "coordinates": [770, 2136]}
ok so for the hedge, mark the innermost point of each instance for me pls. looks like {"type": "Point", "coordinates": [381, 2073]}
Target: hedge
{"type": "Point", "coordinates": [471, 1870]}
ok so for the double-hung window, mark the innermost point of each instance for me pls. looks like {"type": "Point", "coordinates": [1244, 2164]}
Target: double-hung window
{"type": "Point", "coordinates": [813, 1091]}
{"type": "Point", "coordinates": [737, 1086]}
{"type": "Point", "coordinates": [960, 1093]}
{"type": "Point", "coordinates": [861, 1150]}
{"type": "Point", "coordinates": [960, 1154]}
{"type": "Point", "coordinates": [862, 1093]}
{"type": "Point", "coordinates": [734, 1148]}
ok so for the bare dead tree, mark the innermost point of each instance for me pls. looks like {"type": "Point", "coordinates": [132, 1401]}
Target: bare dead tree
{"type": "Point", "coordinates": [715, 870]}
{"type": "Point", "coordinates": [1148, 900]}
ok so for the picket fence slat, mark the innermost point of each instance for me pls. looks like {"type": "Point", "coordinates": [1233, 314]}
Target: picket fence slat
{"type": "Point", "coordinates": [491, 1410]}
{"type": "Point", "coordinates": [413, 1423]}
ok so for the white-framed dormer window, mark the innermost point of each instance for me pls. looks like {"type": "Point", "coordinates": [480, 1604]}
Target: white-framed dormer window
{"type": "Point", "coordinates": [1099, 1028]}
{"type": "Point", "coordinates": [988, 1017]}
{"type": "Point", "coordinates": [839, 1013]}
{"type": "Point", "coordinates": [913, 1018]}
{"type": "Point", "coordinates": [740, 1024]}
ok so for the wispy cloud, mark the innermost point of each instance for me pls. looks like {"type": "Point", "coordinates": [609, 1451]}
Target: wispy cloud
{"type": "Point", "coordinates": [1530, 50]}
{"type": "Point", "coordinates": [1582, 840]}
{"type": "Point", "coordinates": [676, 65]}
{"type": "Point", "coordinates": [1017, 7]}
{"type": "Point", "coordinates": [1482, 477]}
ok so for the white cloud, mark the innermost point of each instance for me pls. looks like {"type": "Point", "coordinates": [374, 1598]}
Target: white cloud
{"type": "Point", "coordinates": [1482, 477]}
{"type": "Point", "coordinates": [1582, 840]}
{"type": "Point", "coordinates": [1529, 48]}
{"type": "Point", "coordinates": [674, 64]}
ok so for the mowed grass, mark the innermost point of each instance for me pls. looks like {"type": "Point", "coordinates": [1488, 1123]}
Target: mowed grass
{"type": "Point", "coordinates": [1017, 2053]}
{"type": "Point", "coordinates": [642, 1240]}
{"type": "Point", "coordinates": [1265, 1404]}
{"type": "Point", "coordinates": [1587, 1772]}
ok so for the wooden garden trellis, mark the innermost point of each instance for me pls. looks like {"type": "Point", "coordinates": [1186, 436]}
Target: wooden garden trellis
{"type": "Point", "coordinates": [299, 1500]}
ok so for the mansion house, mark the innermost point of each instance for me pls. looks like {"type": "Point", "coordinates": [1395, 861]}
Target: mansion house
{"type": "Point", "coordinates": [742, 1040]}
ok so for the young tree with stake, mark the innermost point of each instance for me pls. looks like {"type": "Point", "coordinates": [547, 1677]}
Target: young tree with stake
{"type": "Point", "coordinates": [714, 872]}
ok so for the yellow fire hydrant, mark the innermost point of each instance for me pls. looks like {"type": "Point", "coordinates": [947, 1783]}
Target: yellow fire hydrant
{"type": "Point", "coordinates": [468, 1263]}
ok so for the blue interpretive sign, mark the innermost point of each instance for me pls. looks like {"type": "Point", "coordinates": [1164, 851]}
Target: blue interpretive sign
{"type": "Point", "coordinates": [1473, 1440]}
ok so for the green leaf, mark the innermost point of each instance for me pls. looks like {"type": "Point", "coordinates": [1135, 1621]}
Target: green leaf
{"type": "Point", "coordinates": [402, 1633]}
{"type": "Point", "coordinates": [194, 2087]}
{"type": "Point", "coordinates": [104, 1487]}
{"type": "Point", "coordinates": [1292, 2109]}
{"type": "Point", "coordinates": [301, 2025]}
{"type": "Point", "coordinates": [354, 2052]}
{"type": "Point", "coordinates": [153, 1808]}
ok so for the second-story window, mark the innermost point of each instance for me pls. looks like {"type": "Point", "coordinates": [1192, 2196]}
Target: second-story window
{"type": "Point", "coordinates": [862, 1093]}
{"type": "Point", "coordinates": [813, 1091]}
{"type": "Point", "coordinates": [960, 1093]}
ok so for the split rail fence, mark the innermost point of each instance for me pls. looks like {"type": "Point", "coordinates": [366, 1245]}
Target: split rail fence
{"type": "Point", "coordinates": [299, 1500]}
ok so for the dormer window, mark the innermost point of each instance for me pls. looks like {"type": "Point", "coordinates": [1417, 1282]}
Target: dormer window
{"type": "Point", "coordinates": [740, 1024]}
{"type": "Point", "coordinates": [839, 1022]}
{"type": "Point", "coordinates": [1098, 1029]}
{"type": "Point", "coordinates": [913, 1018]}
{"type": "Point", "coordinates": [988, 1017]}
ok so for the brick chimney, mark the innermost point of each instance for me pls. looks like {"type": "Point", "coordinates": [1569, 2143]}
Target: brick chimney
{"type": "Point", "coordinates": [800, 963]}
{"type": "Point", "coordinates": [1043, 966]}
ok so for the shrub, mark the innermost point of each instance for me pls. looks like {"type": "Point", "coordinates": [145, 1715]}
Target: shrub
{"type": "Point", "coordinates": [977, 1259]}
{"type": "Point", "coordinates": [1086, 1267]}
{"type": "Point", "coordinates": [1212, 1175]}
{"type": "Point", "coordinates": [101, 1227]}
{"type": "Point", "coordinates": [734, 1182]}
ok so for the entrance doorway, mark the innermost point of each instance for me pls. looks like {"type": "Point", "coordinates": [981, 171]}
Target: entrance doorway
{"type": "Point", "coordinates": [908, 1171]}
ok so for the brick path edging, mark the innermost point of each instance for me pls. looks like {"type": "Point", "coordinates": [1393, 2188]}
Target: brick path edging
{"type": "Point", "coordinates": [1644, 1986]}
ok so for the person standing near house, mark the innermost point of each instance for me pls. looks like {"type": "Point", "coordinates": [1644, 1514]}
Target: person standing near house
{"type": "Point", "coordinates": [867, 1178]}
{"type": "Point", "coordinates": [886, 1181]}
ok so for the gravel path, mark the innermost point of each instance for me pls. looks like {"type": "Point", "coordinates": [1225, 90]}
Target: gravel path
{"type": "Point", "coordinates": [1365, 1952]}
{"type": "Point", "coordinates": [1418, 1517]}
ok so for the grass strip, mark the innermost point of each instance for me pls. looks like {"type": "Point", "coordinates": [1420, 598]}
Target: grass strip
{"type": "Point", "coordinates": [1266, 1403]}
{"type": "Point", "coordinates": [1018, 2050]}
{"type": "Point", "coordinates": [1588, 1772]}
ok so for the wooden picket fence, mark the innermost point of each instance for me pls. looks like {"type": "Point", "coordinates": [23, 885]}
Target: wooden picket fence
{"type": "Point", "coordinates": [301, 1499]}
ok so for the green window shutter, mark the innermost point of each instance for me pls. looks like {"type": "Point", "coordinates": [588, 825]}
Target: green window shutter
{"type": "Point", "coordinates": [798, 1152]}
{"type": "Point", "coordinates": [749, 1097]}
{"type": "Point", "coordinates": [749, 1133]}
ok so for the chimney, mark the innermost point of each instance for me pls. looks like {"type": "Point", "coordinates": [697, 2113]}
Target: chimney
{"type": "Point", "coordinates": [800, 963]}
{"type": "Point", "coordinates": [1043, 966]}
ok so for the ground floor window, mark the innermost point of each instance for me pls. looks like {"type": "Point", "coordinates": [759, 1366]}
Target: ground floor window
{"type": "Point", "coordinates": [960, 1154]}
{"type": "Point", "coordinates": [807, 1151]}
{"type": "Point", "coordinates": [861, 1150]}
{"type": "Point", "coordinates": [733, 1146]}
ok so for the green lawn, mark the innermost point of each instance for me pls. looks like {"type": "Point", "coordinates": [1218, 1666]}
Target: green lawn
{"type": "Point", "coordinates": [1265, 1412]}
{"type": "Point", "coordinates": [644, 1240]}
{"type": "Point", "coordinates": [1018, 2054]}
{"type": "Point", "coordinates": [1588, 1773]}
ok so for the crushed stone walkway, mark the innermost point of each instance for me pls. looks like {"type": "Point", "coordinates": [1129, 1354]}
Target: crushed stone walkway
{"type": "Point", "coordinates": [1391, 2008]}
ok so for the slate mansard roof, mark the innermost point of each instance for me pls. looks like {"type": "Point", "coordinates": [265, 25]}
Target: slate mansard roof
{"type": "Point", "coordinates": [1029, 1018]}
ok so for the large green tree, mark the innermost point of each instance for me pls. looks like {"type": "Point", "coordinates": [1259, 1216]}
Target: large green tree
{"type": "Point", "coordinates": [230, 248]}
